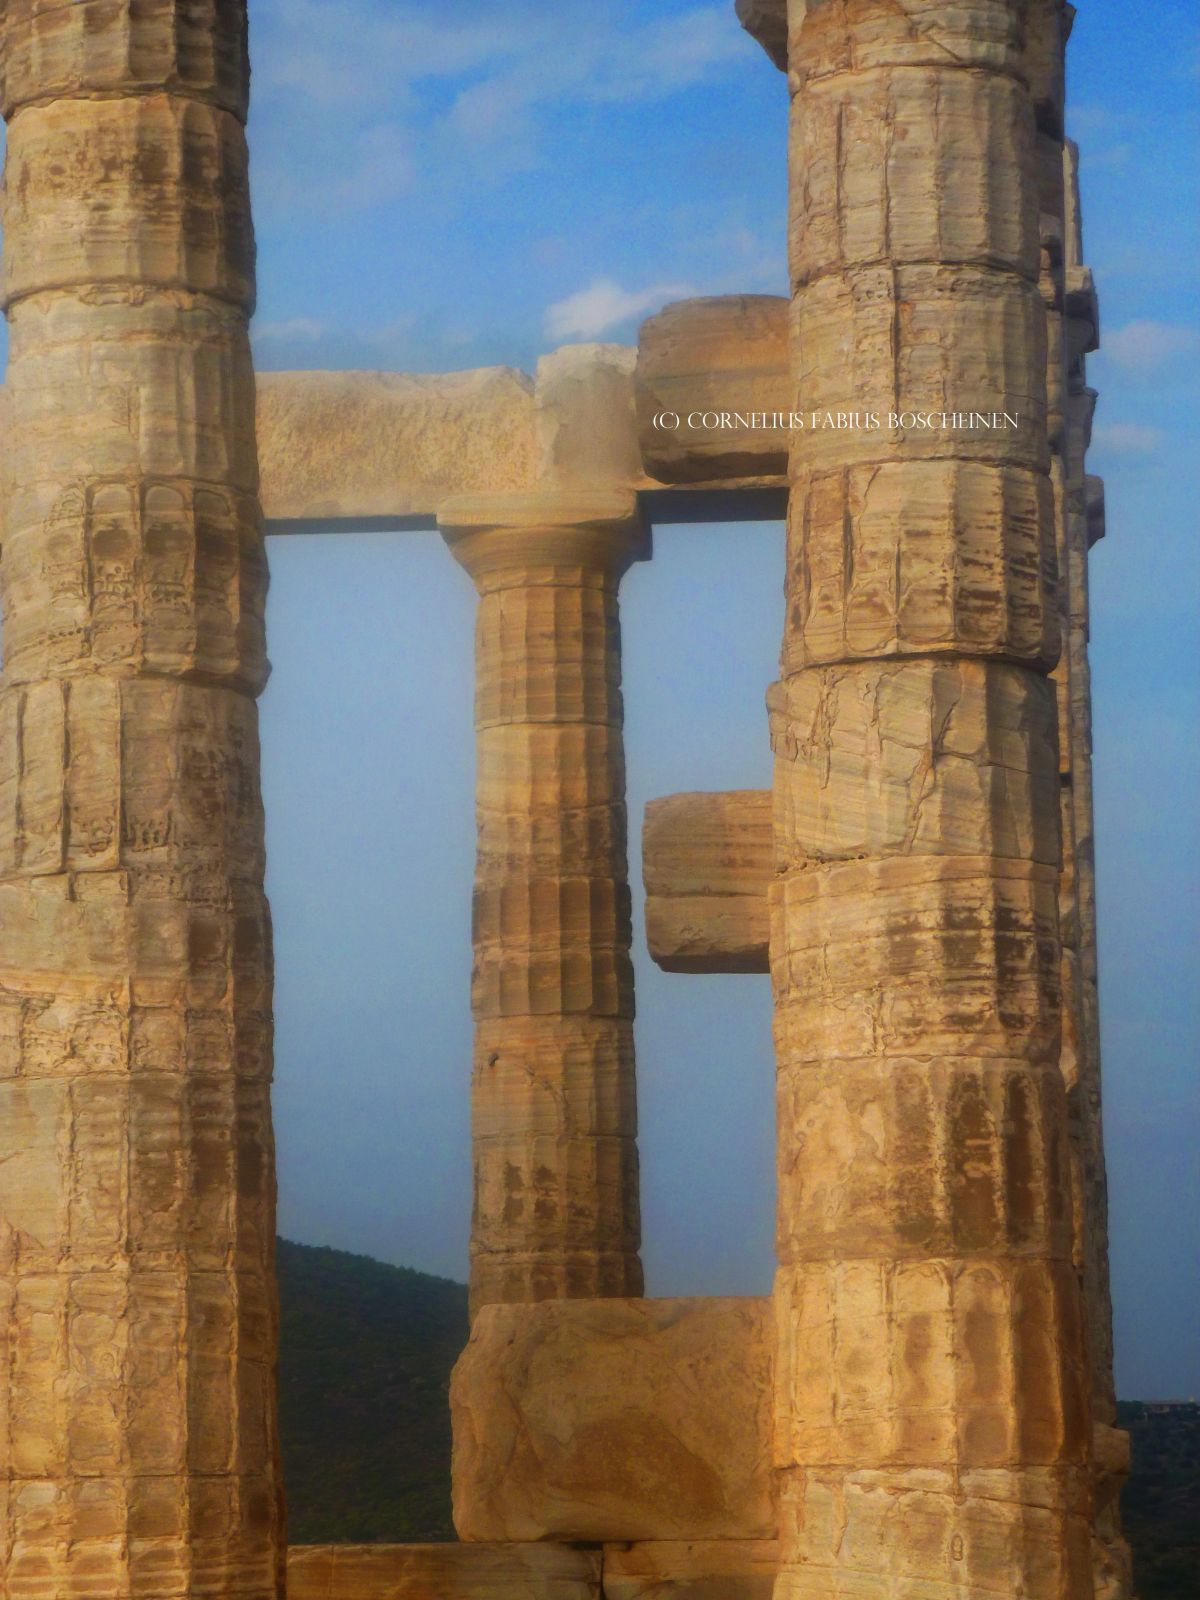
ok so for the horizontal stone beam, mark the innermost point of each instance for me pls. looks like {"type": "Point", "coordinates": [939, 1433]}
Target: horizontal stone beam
{"type": "Point", "coordinates": [348, 446]}
{"type": "Point", "coordinates": [447, 1571]}
{"type": "Point", "coordinates": [710, 367]}
{"type": "Point", "coordinates": [605, 1421]}
{"type": "Point", "coordinates": [723, 1569]}
{"type": "Point", "coordinates": [707, 863]}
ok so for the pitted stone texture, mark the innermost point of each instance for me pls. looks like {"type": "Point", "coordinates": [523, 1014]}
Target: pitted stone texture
{"type": "Point", "coordinates": [587, 416]}
{"type": "Point", "coordinates": [163, 574]}
{"type": "Point", "coordinates": [913, 165]}
{"type": "Point", "coordinates": [839, 36]}
{"type": "Point", "coordinates": [726, 355]}
{"type": "Point", "coordinates": [138, 1333]}
{"type": "Point", "coordinates": [707, 860]}
{"type": "Point", "coordinates": [904, 557]}
{"type": "Point", "coordinates": [932, 757]}
{"type": "Point", "coordinates": [442, 1572]}
{"type": "Point", "coordinates": [913, 341]}
{"type": "Point", "coordinates": [121, 382]}
{"type": "Point", "coordinates": [99, 773]}
{"type": "Point", "coordinates": [76, 49]}
{"type": "Point", "coordinates": [957, 1157]}
{"type": "Point", "coordinates": [149, 190]}
{"type": "Point", "coordinates": [929, 1363]}
{"type": "Point", "coordinates": [726, 1569]}
{"type": "Point", "coordinates": [338, 445]}
{"type": "Point", "coordinates": [915, 1534]}
{"type": "Point", "coordinates": [916, 957]}
{"type": "Point", "coordinates": [615, 1420]}
{"type": "Point", "coordinates": [556, 1211]}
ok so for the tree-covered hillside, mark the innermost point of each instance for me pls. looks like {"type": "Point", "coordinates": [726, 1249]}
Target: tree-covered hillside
{"type": "Point", "coordinates": [365, 1360]}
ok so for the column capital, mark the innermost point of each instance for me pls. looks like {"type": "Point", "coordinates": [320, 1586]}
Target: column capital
{"type": "Point", "coordinates": [598, 529]}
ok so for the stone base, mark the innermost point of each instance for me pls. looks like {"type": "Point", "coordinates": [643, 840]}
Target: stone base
{"type": "Point", "coordinates": [725, 1569]}
{"type": "Point", "coordinates": [605, 1421]}
{"type": "Point", "coordinates": [443, 1572]}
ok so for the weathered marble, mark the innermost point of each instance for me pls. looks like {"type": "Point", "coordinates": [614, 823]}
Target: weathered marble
{"type": "Point", "coordinates": [607, 1420]}
{"type": "Point", "coordinates": [554, 1116]}
{"type": "Point", "coordinates": [932, 1425]}
{"type": "Point", "coordinates": [715, 366]}
{"type": "Point", "coordinates": [707, 861]}
{"type": "Point", "coordinates": [138, 1322]}
{"type": "Point", "coordinates": [717, 1569]}
{"type": "Point", "coordinates": [443, 1572]}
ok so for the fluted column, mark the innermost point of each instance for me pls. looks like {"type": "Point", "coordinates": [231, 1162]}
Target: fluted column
{"type": "Point", "coordinates": [932, 1425]}
{"type": "Point", "coordinates": [137, 1192]}
{"type": "Point", "coordinates": [553, 1097]}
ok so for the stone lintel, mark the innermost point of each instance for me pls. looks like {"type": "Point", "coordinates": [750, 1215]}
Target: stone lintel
{"type": "Point", "coordinates": [707, 863]}
{"type": "Point", "coordinates": [724, 356]}
{"type": "Point", "coordinates": [611, 1421]}
{"type": "Point", "coordinates": [718, 1569]}
{"type": "Point", "coordinates": [351, 445]}
{"type": "Point", "coordinates": [444, 1571]}
{"type": "Point", "coordinates": [767, 21]}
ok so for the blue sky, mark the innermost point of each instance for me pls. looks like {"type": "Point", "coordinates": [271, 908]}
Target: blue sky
{"type": "Point", "coordinates": [440, 186]}
{"type": "Point", "coordinates": [437, 189]}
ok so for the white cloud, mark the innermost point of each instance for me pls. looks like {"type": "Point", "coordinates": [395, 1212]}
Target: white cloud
{"type": "Point", "coordinates": [1145, 347]}
{"type": "Point", "coordinates": [380, 96]}
{"type": "Point", "coordinates": [1127, 438]}
{"type": "Point", "coordinates": [603, 305]}
{"type": "Point", "coordinates": [296, 330]}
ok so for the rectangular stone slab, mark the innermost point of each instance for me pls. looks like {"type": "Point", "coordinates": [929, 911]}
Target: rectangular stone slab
{"type": "Point", "coordinates": [615, 1420]}
{"type": "Point", "coordinates": [442, 1572]}
{"type": "Point", "coordinates": [724, 354]}
{"type": "Point", "coordinates": [707, 862]}
{"type": "Point", "coordinates": [722, 1569]}
{"type": "Point", "coordinates": [341, 445]}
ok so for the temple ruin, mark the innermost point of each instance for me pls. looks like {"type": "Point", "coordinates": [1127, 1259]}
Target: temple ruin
{"type": "Point", "coordinates": [924, 1406]}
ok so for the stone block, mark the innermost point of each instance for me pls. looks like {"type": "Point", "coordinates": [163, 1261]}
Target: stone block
{"type": "Point", "coordinates": [911, 165]}
{"type": "Point", "coordinates": [940, 756]}
{"type": "Point", "coordinates": [150, 190]}
{"type": "Point", "coordinates": [442, 1572]}
{"type": "Point", "coordinates": [924, 344]}
{"type": "Point", "coordinates": [340, 445]}
{"type": "Point", "coordinates": [723, 356]}
{"type": "Point", "coordinates": [726, 1569]}
{"type": "Point", "coordinates": [707, 862]}
{"type": "Point", "coordinates": [615, 1420]}
{"type": "Point", "coordinates": [587, 417]}
{"type": "Point", "coordinates": [907, 557]}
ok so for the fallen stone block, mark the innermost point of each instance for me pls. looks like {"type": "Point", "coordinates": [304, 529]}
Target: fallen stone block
{"type": "Point", "coordinates": [615, 1420]}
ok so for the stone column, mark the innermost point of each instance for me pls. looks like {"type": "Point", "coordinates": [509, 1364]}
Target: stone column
{"type": "Point", "coordinates": [1082, 526]}
{"type": "Point", "coordinates": [932, 1425]}
{"type": "Point", "coordinates": [137, 1190]}
{"type": "Point", "coordinates": [553, 1096]}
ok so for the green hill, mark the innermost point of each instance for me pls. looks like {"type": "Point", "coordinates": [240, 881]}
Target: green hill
{"type": "Point", "coordinates": [365, 1359]}
{"type": "Point", "coordinates": [1160, 1504]}
{"type": "Point", "coordinates": [364, 1368]}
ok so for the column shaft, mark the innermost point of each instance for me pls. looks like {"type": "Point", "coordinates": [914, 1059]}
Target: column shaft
{"type": "Point", "coordinates": [932, 1420]}
{"type": "Point", "coordinates": [137, 1190]}
{"type": "Point", "coordinates": [553, 1095]}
